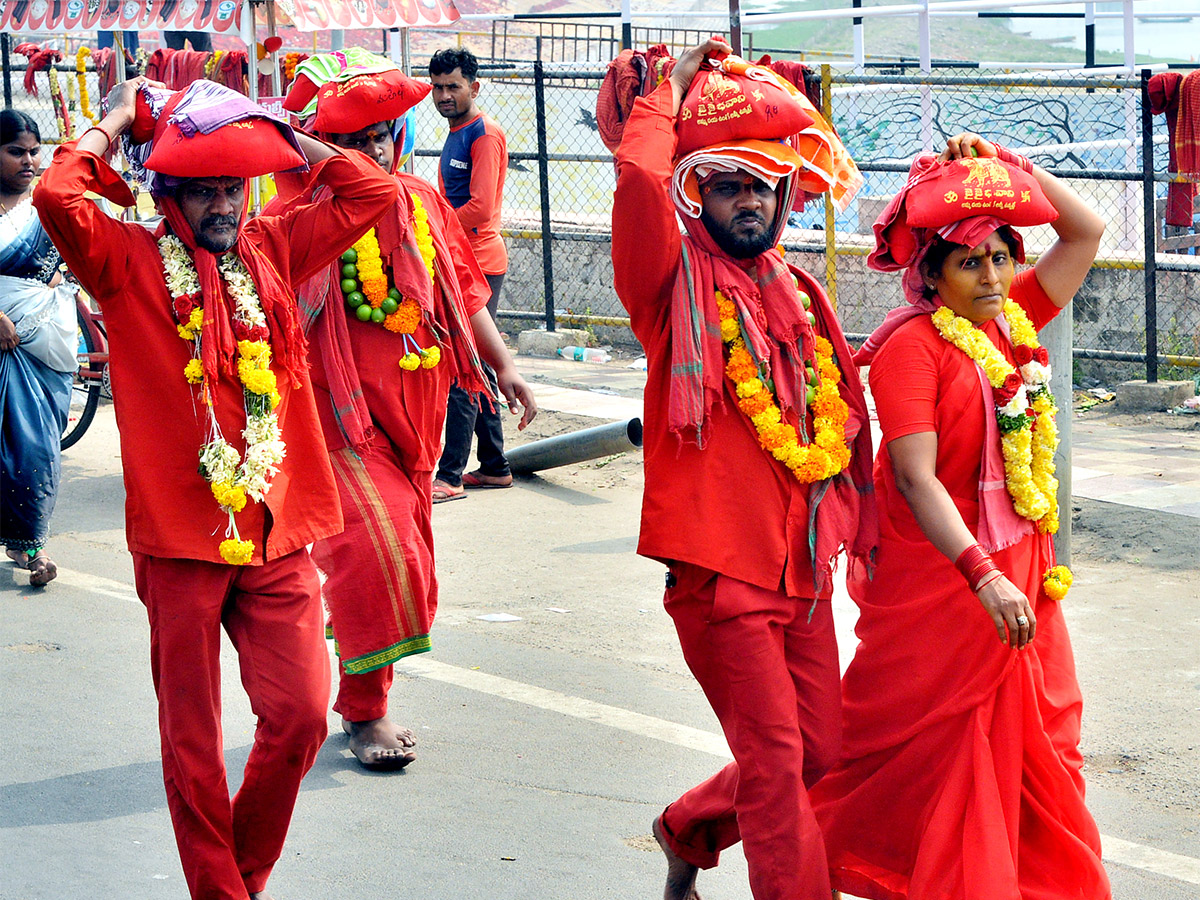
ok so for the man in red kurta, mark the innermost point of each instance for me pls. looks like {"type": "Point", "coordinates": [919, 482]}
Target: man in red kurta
{"type": "Point", "coordinates": [748, 513]}
{"type": "Point", "coordinates": [384, 353]}
{"type": "Point", "coordinates": [214, 354]}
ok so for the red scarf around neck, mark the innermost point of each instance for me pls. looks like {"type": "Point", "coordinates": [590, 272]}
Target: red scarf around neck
{"type": "Point", "coordinates": [218, 345]}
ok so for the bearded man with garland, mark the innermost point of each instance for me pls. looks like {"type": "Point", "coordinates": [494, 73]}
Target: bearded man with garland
{"type": "Point", "coordinates": [757, 450]}
{"type": "Point", "coordinates": [210, 364]}
{"type": "Point", "coordinates": [391, 327]}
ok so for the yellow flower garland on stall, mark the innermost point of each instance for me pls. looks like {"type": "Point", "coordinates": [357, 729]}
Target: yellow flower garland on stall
{"type": "Point", "coordinates": [84, 53]}
{"type": "Point", "coordinates": [365, 287]}
{"type": "Point", "coordinates": [1025, 411]}
{"type": "Point", "coordinates": [233, 479]}
{"type": "Point", "coordinates": [827, 454]}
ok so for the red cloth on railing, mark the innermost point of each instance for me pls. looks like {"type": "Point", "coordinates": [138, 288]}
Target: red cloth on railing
{"type": "Point", "coordinates": [231, 71]}
{"type": "Point", "coordinates": [184, 67]}
{"type": "Point", "coordinates": [621, 86]}
{"type": "Point", "coordinates": [1164, 91]}
{"type": "Point", "coordinates": [39, 61]}
{"type": "Point", "coordinates": [1187, 131]}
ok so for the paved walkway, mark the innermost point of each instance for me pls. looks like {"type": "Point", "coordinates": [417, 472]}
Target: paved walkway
{"type": "Point", "coordinates": [1144, 467]}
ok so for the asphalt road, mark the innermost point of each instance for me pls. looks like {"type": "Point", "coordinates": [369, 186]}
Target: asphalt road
{"type": "Point", "coordinates": [547, 744]}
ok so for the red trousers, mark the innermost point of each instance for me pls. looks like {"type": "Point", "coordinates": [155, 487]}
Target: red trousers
{"type": "Point", "coordinates": [771, 674]}
{"type": "Point", "coordinates": [363, 697]}
{"type": "Point", "coordinates": [272, 614]}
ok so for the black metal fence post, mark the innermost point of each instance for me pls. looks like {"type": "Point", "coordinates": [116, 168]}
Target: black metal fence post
{"type": "Point", "coordinates": [4, 40]}
{"type": "Point", "coordinates": [1149, 214]}
{"type": "Point", "coordinates": [539, 81]}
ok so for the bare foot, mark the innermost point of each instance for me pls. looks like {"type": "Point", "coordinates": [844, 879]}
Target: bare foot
{"type": "Point", "coordinates": [378, 744]}
{"type": "Point", "coordinates": [681, 875]}
{"type": "Point", "coordinates": [42, 569]}
{"type": "Point", "coordinates": [19, 557]}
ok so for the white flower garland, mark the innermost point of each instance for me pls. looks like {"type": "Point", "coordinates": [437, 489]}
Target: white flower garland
{"type": "Point", "coordinates": [232, 479]}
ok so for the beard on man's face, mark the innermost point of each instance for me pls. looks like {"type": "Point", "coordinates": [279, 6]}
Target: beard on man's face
{"type": "Point", "coordinates": [217, 234]}
{"type": "Point", "coordinates": [736, 244]}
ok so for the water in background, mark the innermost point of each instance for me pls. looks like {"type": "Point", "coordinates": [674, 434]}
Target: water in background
{"type": "Point", "coordinates": [1175, 40]}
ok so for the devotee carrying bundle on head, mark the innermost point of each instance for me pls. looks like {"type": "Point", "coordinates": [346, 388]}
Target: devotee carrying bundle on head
{"type": "Point", "coordinates": [226, 475]}
{"type": "Point", "coordinates": [757, 448]}
{"type": "Point", "coordinates": [391, 325]}
{"type": "Point", "coordinates": [960, 775]}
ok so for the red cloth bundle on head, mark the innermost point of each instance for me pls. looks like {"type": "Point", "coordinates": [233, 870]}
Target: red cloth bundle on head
{"type": "Point", "coordinates": [345, 106]}
{"type": "Point", "coordinates": [207, 130]}
{"type": "Point", "coordinates": [736, 101]}
{"type": "Point", "coordinates": [977, 186]}
{"type": "Point", "coordinates": [939, 194]}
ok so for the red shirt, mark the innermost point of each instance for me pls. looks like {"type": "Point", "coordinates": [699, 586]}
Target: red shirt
{"type": "Point", "coordinates": [169, 507]}
{"type": "Point", "coordinates": [729, 507]}
{"type": "Point", "coordinates": [408, 407]}
{"type": "Point", "coordinates": [921, 382]}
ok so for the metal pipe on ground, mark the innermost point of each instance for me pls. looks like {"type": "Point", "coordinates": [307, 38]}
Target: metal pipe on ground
{"type": "Point", "coordinates": [576, 447]}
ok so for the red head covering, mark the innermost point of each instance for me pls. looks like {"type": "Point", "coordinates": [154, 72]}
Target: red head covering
{"type": "Point", "coordinates": [347, 106]}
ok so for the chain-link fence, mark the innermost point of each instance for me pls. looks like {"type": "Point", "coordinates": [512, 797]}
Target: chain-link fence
{"type": "Point", "coordinates": [1094, 131]}
{"type": "Point", "coordinates": [1138, 313]}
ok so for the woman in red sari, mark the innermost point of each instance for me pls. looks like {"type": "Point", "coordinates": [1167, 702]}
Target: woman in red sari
{"type": "Point", "coordinates": [961, 773]}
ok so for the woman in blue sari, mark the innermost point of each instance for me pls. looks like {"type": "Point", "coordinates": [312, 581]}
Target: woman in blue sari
{"type": "Point", "coordinates": [38, 343]}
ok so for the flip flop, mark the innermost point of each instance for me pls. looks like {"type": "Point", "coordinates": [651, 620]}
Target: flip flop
{"type": "Point", "coordinates": [443, 493]}
{"type": "Point", "coordinates": [474, 480]}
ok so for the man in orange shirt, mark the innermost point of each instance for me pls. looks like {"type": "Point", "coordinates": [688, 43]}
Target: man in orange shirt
{"type": "Point", "coordinates": [471, 177]}
{"type": "Point", "coordinates": [209, 361]}
{"type": "Point", "coordinates": [757, 450]}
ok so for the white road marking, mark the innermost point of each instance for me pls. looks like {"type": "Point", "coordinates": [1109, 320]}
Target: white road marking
{"type": "Point", "coordinates": [530, 695]}
{"type": "Point", "coordinates": [1116, 850]}
{"type": "Point", "coordinates": [1151, 859]}
{"type": "Point", "coordinates": [1125, 853]}
{"type": "Point", "coordinates": [97, 584]}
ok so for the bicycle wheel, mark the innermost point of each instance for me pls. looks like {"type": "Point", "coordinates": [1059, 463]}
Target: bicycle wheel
{"type": "Point", "coordinates": [85, 392]}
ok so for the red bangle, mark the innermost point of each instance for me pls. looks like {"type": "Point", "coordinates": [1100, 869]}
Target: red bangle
{"type": "Point", "coordinates": [107, 136]}
{"type": "Point", "coordinates": [975, 566]}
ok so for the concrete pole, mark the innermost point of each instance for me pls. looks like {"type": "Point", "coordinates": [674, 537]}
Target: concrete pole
{"type": "Point", "coordinates": [1130, 56]}
{"type": "Point", "coordinates": [860, 49]}
{"type": "Point", "coordinates": [1056, 338]}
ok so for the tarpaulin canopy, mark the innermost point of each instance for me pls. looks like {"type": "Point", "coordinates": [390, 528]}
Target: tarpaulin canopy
{"type": "Point", "coordinates": [217, 16]}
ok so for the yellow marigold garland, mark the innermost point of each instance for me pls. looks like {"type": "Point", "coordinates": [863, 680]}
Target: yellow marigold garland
{"type": "Point", "coordinates": [233, 478]}
{"type": "Point", "coordinates": [365, 287]}
{"type": "Point", "coordinates": [827, 454]}
{"type": "Point", "coordinates": [81, 57]}
{"type": "Point", "coordinates": [1025, 411]}
{"type": "Point", "coordinates": [1057, 581]}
